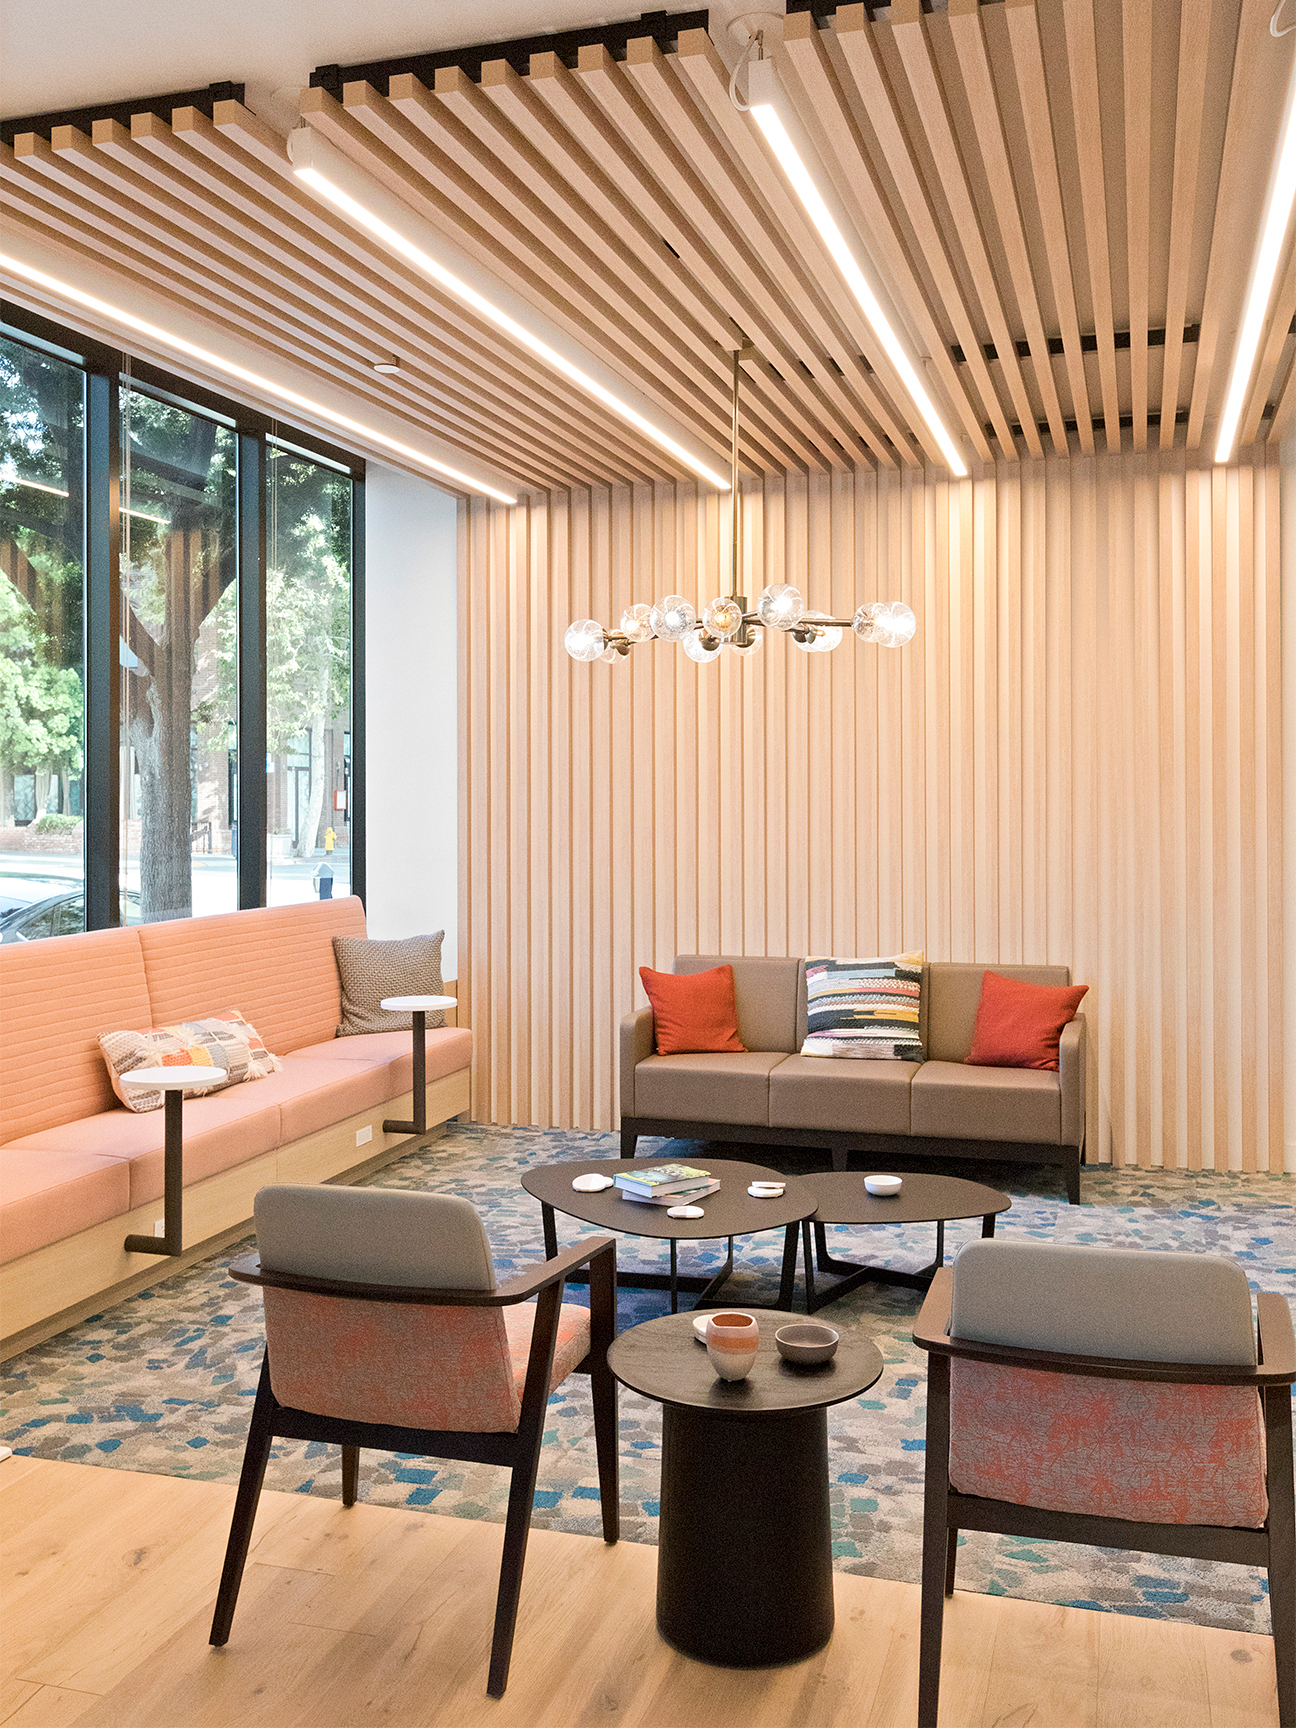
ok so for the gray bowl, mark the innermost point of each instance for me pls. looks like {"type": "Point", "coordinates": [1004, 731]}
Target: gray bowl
{"type": "Point", "coordinates": [807, 1343]}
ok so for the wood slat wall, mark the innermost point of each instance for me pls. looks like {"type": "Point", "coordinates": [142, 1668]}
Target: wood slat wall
{"type": "Point", "coordinates": [1077, 760]}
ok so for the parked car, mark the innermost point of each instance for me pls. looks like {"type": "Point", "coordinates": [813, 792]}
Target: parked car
{"type": "Point", "coordinates": [58, 915]}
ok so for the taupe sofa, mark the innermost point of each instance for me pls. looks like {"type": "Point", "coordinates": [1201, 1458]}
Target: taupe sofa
{"type": "Point", "coordinates": [908, 1111]}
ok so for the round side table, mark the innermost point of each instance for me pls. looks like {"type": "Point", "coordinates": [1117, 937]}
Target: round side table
{"type": "Point", "coordinates": [419, 1007]}
{"type": "Point", "coordinates": [744, 1547]}
{"type": "Point", "coordinates": [174, 1082]}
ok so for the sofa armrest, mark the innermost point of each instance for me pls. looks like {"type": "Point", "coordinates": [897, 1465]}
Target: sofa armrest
{"type": "Point", "coordinates": [1071, 1077]}
{"type": "Point", "coordinates": [636, 1043]}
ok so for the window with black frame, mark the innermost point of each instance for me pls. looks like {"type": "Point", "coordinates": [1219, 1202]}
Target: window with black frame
{"type": "Point", "coordinates": [213, 566]}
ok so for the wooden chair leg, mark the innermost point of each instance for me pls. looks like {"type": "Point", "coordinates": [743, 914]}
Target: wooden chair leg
{"type": "Point", "coordinates": [350, 1474]}
{"type": "Point", "coordinates": [255, 1456]}
{"type": "Point", "coordinates": [603, 1389]}
{"type": "Point", "coordinates": [1282, 1547]}
{"type": "Point", "coordinates": [935, 1552]}
{"type": "Point", "coordinates": [951, 1560]}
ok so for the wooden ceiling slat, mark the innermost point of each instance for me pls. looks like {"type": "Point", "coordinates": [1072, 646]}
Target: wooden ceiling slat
{"type": "Point", "coordinates": [1194, 44]}
{"type": "Point", "coordinates": [701, 70]}
{"type": "Point", "coordinates": [1082, 62]}
{"type": "Point", "coordinates": [974, 65]}
{"type": "Point", "coordinates": [1136, 20]}
{"type": "Point", "coordinates": [604, 110]}
{"type": "Point", "coordinates": [914, 49]}
{"type": "Point", "coordinates": [1028, 63]}
{"type": "Point", "coordinates": [1277, 337]}
{"type": "Point", "coordinates": [677, 123]}
{"type": "Point", "coordinates": [831, 110]}
{"type": "Point", "coordinates": [1261, 74]}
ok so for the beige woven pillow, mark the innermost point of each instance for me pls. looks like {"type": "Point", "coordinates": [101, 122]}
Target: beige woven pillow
{"type": "Point", "coordinates": [370, 970]}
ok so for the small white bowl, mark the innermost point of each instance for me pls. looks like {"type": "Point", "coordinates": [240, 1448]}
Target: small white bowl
{"type": "Point", "coordinates": [807, 1343]}
{"type": "Point", "coordinates": [883, 1185]}
{"type": "Point", "coordinates": [766, 1190]}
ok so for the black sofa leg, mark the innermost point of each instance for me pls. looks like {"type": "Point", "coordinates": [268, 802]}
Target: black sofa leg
{"type": "Point", "coordinates": [629, 1140]}
{"type": "Point", "coordinates": [1072, 1168]}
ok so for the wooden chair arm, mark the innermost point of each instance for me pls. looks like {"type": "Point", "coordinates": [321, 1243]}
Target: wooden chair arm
{"type": "Point", "coordinates": [1275, 1337]}
{"type": "Point", "coordinates": [522, 1285]}
{"type": "Point", "coordinates": [1278, 1364]}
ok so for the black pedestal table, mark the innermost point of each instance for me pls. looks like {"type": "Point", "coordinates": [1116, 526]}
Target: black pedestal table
{"type": "Point", "coordinates": [418, 1007]}
{"type": "Point", "coordinates": [744, 1546]}
{"type": "Point", "coordinates": [174, 1082]}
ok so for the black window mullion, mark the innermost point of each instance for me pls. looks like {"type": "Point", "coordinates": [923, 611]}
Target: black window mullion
{"type": "Point", "coordinates": [252, 862]}
{"type": "Point", "coordinates": [100, 793]}
{"type": "Point", "coordinates": [356, 797]}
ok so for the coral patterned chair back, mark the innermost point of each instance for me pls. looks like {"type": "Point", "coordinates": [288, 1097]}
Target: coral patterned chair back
{"type": "Point", "coordinates": [1146, 1450]}
{"type": "Point", "coordinates": [412, 1365]}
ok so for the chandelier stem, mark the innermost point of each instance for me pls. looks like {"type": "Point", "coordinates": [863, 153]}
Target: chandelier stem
{"type": "Point", "coordinates": [735, 496]}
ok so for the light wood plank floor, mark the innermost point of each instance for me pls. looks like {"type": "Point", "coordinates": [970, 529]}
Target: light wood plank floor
{"type": "Point", "coordinates": [371, 1616]}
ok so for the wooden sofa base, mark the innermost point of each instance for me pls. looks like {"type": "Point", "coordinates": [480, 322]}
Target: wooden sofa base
{"type": "Point", "coordinates": [901, 1151]}
{"type": "Point", "coordinates": [92, 1270]}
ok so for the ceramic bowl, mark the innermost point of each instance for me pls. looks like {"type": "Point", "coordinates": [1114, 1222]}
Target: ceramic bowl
{"type": "Point", "coordinates": [700, 1322]}
{"type": "Point", "coordinates": [882, 1185]}
{"type": "Point", "coordinates": [806, 1343]}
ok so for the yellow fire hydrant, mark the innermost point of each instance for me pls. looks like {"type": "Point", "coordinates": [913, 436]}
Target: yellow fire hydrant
{"type": "Point", "coordinates": [330, 839]}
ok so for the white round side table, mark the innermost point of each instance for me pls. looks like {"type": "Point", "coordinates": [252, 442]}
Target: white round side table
{"type": "Point", "coordinates": [174, 1082]}
{"type": "Point", "coordinates": [419, 1007]}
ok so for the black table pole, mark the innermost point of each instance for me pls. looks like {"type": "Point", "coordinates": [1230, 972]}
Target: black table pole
{"type": "Point", "coordinates": [419, 1124]}
{"type": "Point", "coordinates": [172, 1239]}
{"type": "Point", "coordinates": [744, 1558]}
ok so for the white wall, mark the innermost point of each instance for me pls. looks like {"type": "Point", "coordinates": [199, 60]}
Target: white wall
{"type": "Point", "coordinates": [1288, 456]}
{"type": "Point", "coordinates": [413, 708]}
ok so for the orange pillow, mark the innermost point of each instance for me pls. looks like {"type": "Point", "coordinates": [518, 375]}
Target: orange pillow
{"type": "Point", "coordinates": [1018, 1025]}
{"type": "Point", "coordinates": [693, 1010]}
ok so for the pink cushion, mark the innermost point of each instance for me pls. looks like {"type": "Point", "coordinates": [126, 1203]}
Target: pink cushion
{"type": "Point", "coordinates": [275, 962]}
{"type": "Point", "coordinates": [58, 996]}
{"type": "Point", "coordinates": [449, 1049]}
{"type": "Point", "coordinates": [459, 1369]}
{"type": "Point", "coordinates": [1152, 1452]}
{"type": "Point", "coordinates": [45, 1196]}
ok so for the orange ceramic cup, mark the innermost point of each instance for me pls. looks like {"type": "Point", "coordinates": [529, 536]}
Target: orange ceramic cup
{"type": "Point", "coordinates": [731, 1341]}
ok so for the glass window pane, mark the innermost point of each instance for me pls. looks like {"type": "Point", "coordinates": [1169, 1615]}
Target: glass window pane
{"type": "Point", "coordinates": [179, 655]}
{"type": "Point", "coordinates": [308, 698]}
{"type": "Point", "coordinates": [42, 697]}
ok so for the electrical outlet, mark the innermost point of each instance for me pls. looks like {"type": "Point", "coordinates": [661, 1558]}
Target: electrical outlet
{"type": "Point", "coordinates": [159, 1226]}
{"type": "Point", "coordinates": [364, 1135]}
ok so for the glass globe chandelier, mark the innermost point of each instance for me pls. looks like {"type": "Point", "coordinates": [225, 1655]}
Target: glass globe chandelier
{"type": "Point", "coordinates": [727, 624]}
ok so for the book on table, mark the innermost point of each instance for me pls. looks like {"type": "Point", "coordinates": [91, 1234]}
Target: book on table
{"type": "Point", "coordinates": [686, 1198]}
{"type": "Point", "coordinates": [661, 1179]}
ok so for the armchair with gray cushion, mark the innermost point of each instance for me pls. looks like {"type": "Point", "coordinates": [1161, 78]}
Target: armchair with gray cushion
{"type": "Point", "coordinates": [1117, 1398]}
{"type": "Point", "coordinates": [909, 1112]}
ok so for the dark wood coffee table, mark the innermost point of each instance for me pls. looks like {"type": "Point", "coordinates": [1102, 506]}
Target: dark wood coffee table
{"type": "Point", "coordinates": [744, 1547]}
{"type": "Point", "coordinates": [841, 1198]}
{"type": "Point", "coordinates": [730, 1211]}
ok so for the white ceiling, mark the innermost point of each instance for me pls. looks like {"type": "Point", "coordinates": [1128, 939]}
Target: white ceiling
{"type": "Point", "coordinates": [78, 52]}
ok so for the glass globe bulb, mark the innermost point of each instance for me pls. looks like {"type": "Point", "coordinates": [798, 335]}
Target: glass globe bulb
{"type": "Point", "coordinates": [611, 656]}
{"type": "Point", "coordinates": [584, 639]}
{"type": "Point", "coordinates": [826, 640]}
{"type": "Point", "coordinates": [780, 606]}
{"type": "Point", "coordinates": [893, 623]}
{"type": "Point", "coordinates": [636, 623]}
{"type": "Point", "coordinates": [753, 647]}
{"type": "Point", "coordinates": [723, 618]}
{"type": "Point", "coordinates": [696, 649]}
{"type": "Point", "coordinates": [863, 626]}
{"type": "Point", "coordinates": [672, 618]}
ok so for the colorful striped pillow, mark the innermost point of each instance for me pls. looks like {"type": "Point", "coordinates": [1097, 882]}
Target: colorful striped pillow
{"type": "Point", "coordinates": [223, 1042]}
{"type": "Point", "coordinates": [865, 1008]}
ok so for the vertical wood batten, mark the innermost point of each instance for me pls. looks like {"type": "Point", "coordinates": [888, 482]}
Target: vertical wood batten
{"type": "Point", "coordinates": [1077, 761]}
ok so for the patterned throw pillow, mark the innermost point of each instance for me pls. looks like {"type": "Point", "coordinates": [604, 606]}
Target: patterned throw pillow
{"type": "Point", "coordinates": [865, 1008]}
{"type": "Point", "coordinates": [223, 1042]}
{"type": "Point", "coordinates": [370, 970]}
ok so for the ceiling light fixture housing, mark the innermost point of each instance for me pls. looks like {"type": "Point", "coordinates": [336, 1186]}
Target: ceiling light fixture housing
{"type": "Point", "coordinates": [772, 112]}
{"type": "Point", "coordinates": [338, 182]}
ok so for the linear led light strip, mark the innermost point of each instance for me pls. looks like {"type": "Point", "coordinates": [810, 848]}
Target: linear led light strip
{"type": "Point", "coordinates": [116, 315]}
{"type": "Point", "coordinates": [1281, 194]}
{"type": "Point", "coordinates": [766, 117]}
{"type": "Point", "coordinates": [60, 492]}
{"type": "Point", "coordinates": [461, 290]}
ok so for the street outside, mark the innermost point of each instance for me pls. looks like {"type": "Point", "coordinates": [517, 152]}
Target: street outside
{"type": "Point", "coordinates": [26, 877]}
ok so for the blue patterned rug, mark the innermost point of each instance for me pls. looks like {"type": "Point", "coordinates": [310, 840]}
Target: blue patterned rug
{"type": "Point", "coordinates": [163, 1383]}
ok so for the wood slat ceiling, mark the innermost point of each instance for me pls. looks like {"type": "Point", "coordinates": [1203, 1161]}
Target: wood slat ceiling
{"type": "Point", "coordinates": [1060, 197]}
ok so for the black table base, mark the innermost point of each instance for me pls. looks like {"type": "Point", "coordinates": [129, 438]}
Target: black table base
{"type": "Point", "coordinates": [850, 1274]}
{"type": "Point", "coordinates": [705, 1289]}
{"type": "Point", "coordinates": [419, 1124]}
{"type": "Point", "coordinates": [730, 1590]}
{"type": "Point", "coordinates": [171, 1241]}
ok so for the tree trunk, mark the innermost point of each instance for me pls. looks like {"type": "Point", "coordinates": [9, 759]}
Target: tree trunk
{"type": "Point", "coordinates": [309, 830]}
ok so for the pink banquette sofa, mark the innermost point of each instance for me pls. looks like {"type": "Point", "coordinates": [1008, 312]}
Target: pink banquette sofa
{"type": "Point", "coordinates": [78, 1170]}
